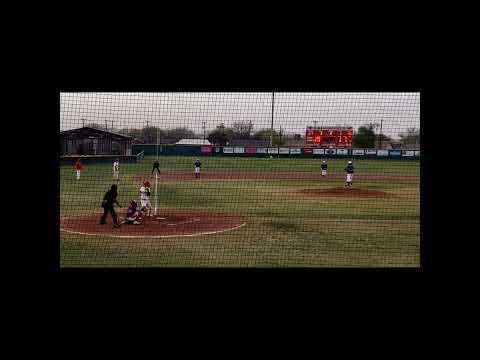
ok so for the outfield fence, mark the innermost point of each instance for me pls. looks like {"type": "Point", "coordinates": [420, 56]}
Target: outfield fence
{"type": "Point", "coordinates": [284, 152]}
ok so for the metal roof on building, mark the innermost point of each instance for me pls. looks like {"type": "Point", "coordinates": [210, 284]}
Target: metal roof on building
{"type": "Point", "coordinates": [193, 142]}
{"type": "Point", "coordinates": [87, 130]}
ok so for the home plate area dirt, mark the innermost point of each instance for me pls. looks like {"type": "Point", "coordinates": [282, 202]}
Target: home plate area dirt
{"type": "Point", "coordinates": [168, 223]}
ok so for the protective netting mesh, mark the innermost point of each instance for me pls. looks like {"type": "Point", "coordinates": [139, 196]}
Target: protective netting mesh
{"type": "Point", "coordinates": [243, 180]}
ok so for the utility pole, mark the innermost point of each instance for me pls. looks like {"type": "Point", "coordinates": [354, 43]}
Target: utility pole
{"type": "Point", "coordinates": [381, 125]}
{"type": "Point", "coordinates": [83, 122]}
{"type": "Point", "coordinates": [271, 129]}
{"type": "Point", "coordinates": [204, 131]}
{"type": "Point", "coordinates": [106, 126]}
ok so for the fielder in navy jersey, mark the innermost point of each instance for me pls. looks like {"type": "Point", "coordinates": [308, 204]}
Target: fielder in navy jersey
{"type": "Point", "coordinates": [349, 170]}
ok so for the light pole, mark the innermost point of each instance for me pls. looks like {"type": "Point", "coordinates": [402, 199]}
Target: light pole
{"type": "Point", "coordinates": [204, 131]}
{"type": "Point", "coordinates": [271, 129]}
{"type": "Point", "coordinates": [381, 125]}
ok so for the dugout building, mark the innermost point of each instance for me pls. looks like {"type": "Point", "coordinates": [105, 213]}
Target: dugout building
{"type": "Point", "coordinates": [90, 141]}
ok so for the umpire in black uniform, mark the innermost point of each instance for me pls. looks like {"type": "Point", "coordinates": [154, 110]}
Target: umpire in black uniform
{"type": "Point", "coordinates": [156, 166]}
{"type": "Point", "coordinates": [109, 199]}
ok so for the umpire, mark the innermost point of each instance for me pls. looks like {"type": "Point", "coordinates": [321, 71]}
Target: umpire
{"type": "Point", "coordinates": [156, 166]}
{"type": "Point", "coordinates": [109, 200]}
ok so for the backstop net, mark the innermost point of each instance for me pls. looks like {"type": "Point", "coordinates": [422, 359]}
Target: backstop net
{"type": "Point", "coordinates": [241, 179]}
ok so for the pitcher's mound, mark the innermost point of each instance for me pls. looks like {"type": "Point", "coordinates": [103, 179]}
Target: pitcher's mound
{"type": "Point", "coordinates": [345, 192]}
{"type": "Point", "coordinates": [168, 223]}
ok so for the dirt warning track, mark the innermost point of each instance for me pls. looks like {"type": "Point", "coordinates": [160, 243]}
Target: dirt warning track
{"type": "Point", "coordinates": [173, 176]}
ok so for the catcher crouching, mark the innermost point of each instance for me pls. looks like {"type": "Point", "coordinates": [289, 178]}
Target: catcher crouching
{"type": "Point", "coordinates": [133, 215]}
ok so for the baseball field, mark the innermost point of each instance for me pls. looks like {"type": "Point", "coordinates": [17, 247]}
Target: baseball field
{"type": "Point", "coordinates": [246, 212]}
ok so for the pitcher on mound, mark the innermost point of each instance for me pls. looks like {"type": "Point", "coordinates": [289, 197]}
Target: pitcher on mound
{"type": "Point", "coordinates": [146, 206]}
{"type": "Point", "coordinates": [349, 171]}
{"type": "Point", "coordinates": [324, 168]}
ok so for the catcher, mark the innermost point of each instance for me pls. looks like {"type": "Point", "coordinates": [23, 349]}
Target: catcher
{"type": "Point", "coordinates": [133, 215]}
{"type": "Point", "coordinates": [145, 198]}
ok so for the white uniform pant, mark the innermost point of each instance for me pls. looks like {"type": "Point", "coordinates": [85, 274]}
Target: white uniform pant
{"type": "Point", "coordinates": [145, 203]}
{"type": "Point", "coordinates": [324, 172]}
{"type": "Point", "coordinates": [78, 174]}
{"type": "Point", "coordinates": [197, 170]}
{"type": "Point", "coordinates": [349, 177]}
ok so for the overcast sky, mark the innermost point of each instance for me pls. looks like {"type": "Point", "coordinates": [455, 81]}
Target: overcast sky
{"type": "Point", "coordinates": [292, 111]}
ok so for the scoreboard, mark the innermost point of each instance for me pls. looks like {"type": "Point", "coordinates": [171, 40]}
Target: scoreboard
{"type": "Point", "coordinates": [337, 137]}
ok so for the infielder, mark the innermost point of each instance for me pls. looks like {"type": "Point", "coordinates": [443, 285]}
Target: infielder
{"type": "Point", "coordinates": [78, 168]}
{"type": "Point", "coordinates": [324, 167]}
{"type": "Point", "coordinates": [156, 166]}
{"type": "Point", "coordinates": [145, 198]}
{"type": "Point", "coordinates": [116, 170]}
{"type": "Point", "coordinates": [198, 165]}
{"type": "Point", "coordinates": [349, 171]}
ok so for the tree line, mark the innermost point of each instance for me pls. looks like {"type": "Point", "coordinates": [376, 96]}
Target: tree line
{"type": "Point", "coordinates": [366, 136]}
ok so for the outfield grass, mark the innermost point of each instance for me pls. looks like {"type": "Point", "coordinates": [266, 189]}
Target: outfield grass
{"type": "Point", "coordinates": [284, 227]}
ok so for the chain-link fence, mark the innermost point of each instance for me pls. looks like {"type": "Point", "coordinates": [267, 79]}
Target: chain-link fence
{"type": "Point", "coordinates": [240, 179]}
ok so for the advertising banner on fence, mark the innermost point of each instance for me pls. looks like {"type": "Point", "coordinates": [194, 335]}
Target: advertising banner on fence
{"type": "Point", "coordinates": [342, 151]}
{"type": "Point", "coordinates": [395, 153]}
{"type": "Point", "coordinates": [206, 149]}
{"type": "Point", "coordinates": [228, 150]}
{"type": "Point", "coordinates": [307, 151]}
{"type": "Point", "coordinates": [417, 152]}
{"type": "Point", "coordinates": [239, 150]}
{"type": "Point", "coordinates": [319, 151]}
{"type": "Point", "coordinates": [408, 153]}
{"type": "Point", "coordinates": [261, 150]}
{"type": "Point", "coordinates": [284, 151]}
{"type": "Point", "coordinates": [250, 150]}
{"type": "Point", "coordinates": [370, 152]}
{"type": "Point", "coordinates": [331, 151]}
{"type": "Point", "coordinates": [273, 150]}
{"type": "Point", "coordinates": [358, 152]}
{"type": "Point", "coordinates": [295, 151]}
{"type": "Point", "coordinates": [382, 152]}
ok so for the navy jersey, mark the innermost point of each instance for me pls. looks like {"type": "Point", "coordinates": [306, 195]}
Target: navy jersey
{"type": "Point", "coordinates": [324, 166]}
{"type": "Point", "coordinates": [349, 168]}
{"type": "Point", "coordinates": [198, 163]}
{"type": "Point", "coordinates": [131, 212]}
